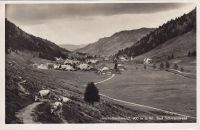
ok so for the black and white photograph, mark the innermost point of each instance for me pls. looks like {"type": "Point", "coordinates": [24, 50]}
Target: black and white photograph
{"type": "Point", "coordinates": [80, 63]}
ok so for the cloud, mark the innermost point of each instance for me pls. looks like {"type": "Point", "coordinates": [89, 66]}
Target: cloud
{"type": "Point", "coordinates": [39, 13]}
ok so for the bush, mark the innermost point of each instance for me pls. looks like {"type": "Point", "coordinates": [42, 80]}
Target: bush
{"type": "Point", "coordinates": [91, 94]}
{"type": "Point", "coordinates": [175, 66]}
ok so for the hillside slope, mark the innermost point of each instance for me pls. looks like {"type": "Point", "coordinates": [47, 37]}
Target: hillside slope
{"type": "Point", "coordinates": [163, 34]}
{"type": "Point", "coordinates": [17, 39]}
{"type": "Point", "coordinates": [110, 45]}
{"type": "Point", "coordinates": [178, 46]}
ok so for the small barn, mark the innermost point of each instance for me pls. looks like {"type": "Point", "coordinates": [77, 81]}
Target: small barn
{"type": "Point", "coordinates": [148, 61]}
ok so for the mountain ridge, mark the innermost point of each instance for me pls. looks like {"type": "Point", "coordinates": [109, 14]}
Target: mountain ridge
{"type": "Point", "coordinates": [110, 45]}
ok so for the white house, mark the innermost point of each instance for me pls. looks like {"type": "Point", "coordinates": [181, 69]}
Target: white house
{"type": "Point", "coordinates": [122, 58]}
{"type": "Point", "coordinates": [69, 61]}
{"type": "Point", "coordinates": [67, 67]}
{"type": "Point", "coordinates": [148, 61]}
{"type": "Point", "coordinates": [84, 66]}
{"type": "Point", "coordinates": [92, 61]}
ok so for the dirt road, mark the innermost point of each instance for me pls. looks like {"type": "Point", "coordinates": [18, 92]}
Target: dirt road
{"type": "Point", "coordinates": [25, 114]}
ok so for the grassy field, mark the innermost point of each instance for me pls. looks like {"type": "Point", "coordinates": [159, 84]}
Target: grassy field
{"type": "Point", "coordinates": [159, 89]}
{"type": "Point", "coordinates": [154, 88]}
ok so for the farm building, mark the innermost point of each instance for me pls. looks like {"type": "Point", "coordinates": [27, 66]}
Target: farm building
{"type": "Point", "coordinates": [148, 61]}
{"type": "Point", "coordinates": [70, 62]}
{"type": "Point", "coordinates": [58, 58]}
{"type": "Point", "coordinates": [92, 61]}
{"type": "Point", "coordinates": [121, 67]}
{"type": "Point", "coordinates": [67, 67]}
{"type": "Point", "coordinates": [122, 58]}
{"type": "Point", "coordinates": [105, 70]}
{"type": "Point", "coordinates": [43, 66]}
{"type": "Point", "coordinates": [84, 66]}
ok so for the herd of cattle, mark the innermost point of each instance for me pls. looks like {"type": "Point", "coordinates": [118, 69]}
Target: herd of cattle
{"type": "Point", "coordinates": [56, 106]}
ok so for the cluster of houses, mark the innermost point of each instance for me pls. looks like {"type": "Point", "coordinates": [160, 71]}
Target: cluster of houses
{"type": "Point", "coordinates": [74, 65]}
{"type": "Point", "coordinates": [68, 65]}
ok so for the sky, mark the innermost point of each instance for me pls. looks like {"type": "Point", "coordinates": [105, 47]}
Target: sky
{"type": "Point", "coordinates": [85, 23]}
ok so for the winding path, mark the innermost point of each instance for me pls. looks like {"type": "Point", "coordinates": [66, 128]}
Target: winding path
{"type": "Point", "coordinates": [140, 105]}
{"type": "Point", "coordinates": [113, 75]}
{"type": "Point", "coordinates": [25, 114]}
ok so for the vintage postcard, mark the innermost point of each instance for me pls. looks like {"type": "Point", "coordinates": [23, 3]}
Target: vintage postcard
{"type": "Point", "coordinates": [101, 62]}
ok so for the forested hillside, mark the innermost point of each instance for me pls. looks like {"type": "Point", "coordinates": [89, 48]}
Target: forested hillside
{"type": "Point", "coordinates": [160, 35]}
{"type": "Point", "coordinates": [18, 40]}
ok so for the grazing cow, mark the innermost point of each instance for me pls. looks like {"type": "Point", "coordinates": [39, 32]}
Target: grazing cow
{"type": "Point", "coordinates": [42, 94]}
{"type": "Point", "coordinates": [56, 109]}
{"type": "Point", "coordinates": [63, 99]}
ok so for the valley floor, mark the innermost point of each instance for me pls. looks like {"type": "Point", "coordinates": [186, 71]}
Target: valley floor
{"type": "Point", "coordinates": [127, 97]}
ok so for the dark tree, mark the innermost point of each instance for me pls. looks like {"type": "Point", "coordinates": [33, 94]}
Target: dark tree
{"type": "Point", "coordinates": [175, 66]}
{"type": "Point", "coordinates": [189, 54]}
{"type": "Point", "coordinates": [154, 66]}
{"type": "Point", "coordinates": [91, 93]}
{"type": "Point", "coordinates": [182, 69]}
{"type": "Point", "coordinates": [161, 65]}
{"type": "Point", "coordinates": [115, 67]}
{"type": "Point", "coordinates": [193, 53]}
{"type": "Point", "coordinates": [145, 67]}
{"type": "Point", "coordinates": [169, 58]}
{"type": "Point", "coordinates": [172, 57]}
{"type": "Point", "coordinates": [167, 65]}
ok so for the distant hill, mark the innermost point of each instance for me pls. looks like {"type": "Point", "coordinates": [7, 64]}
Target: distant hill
{"type": "Point", "coordinates": [72, 47]}
{"type": "Point", "coordinates": [18, 40]}
{"type": "Point", "coordinates": [176, 37]}
{"type": "Point", "coordinates": [110, 45]}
